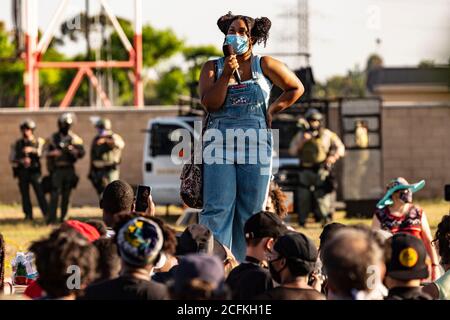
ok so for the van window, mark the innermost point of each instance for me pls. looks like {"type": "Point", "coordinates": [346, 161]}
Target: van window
{"type": "Point", "coordinates": [161, 144]}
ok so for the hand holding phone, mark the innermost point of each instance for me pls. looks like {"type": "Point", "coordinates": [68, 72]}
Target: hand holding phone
{"type": "Point", "coordinates": [142, 198]}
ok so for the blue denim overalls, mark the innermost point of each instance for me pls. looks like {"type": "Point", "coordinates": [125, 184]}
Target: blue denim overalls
{"type": "Point", "coordinates": [237, 170]}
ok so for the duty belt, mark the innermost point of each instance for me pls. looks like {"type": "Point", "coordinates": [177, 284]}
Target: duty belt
{"type": "Point", "coordinates": [63, 164]}
{"type": "Point", "coordinates": [106, 167]}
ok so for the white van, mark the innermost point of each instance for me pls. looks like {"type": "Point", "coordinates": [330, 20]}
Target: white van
{"type": "Point", "coordinates": [159, 171]}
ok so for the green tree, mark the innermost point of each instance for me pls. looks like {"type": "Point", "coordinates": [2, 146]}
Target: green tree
{"type": "Point", "coordinates": [158, 45]}
{"type": "Point", "coordinates": [171, 85]}
{"type": "Point", "coordinates": [11, 72]}
{"type": "Point", "coordinates": [427, 64]}
{"type": "Point", "coordinates": [373, 62]}
{"type": "Point", "coordinates": [196, 56]}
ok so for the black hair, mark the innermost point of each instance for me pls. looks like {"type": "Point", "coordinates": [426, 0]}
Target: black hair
{"type": "Point", "coordinates": [258, 28]}
{"type": "Point", "coordinates": [99, 225]}
{"type": "Point", "coordinates": [443, 238]}
{"type": "Point", "coordinates": [253, 242]}
{"type": "Point", "coordinates": [56, 253]}
{"type": "Point", "coordinates": [117, 197]}
{"type": "Point", "coordinates": [108, 266]}
{"type": "Point", "coordinates": [328, 231]}
{"type": "Point", "coordinates": [299, 268]}
{"type": "Point", "coordinates": [2, 262]}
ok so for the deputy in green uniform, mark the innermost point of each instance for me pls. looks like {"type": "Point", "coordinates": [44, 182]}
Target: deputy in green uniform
{"type": "Point", "coordinates": [25, 160]}
{"type": "Point", "coordinates": [106, 152]}
{"type": "Point", "coordinates": [62, 150]}
{"type": "Point", "coordinates": [318, 149]}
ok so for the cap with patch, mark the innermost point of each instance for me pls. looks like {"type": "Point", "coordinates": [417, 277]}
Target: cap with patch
{"type": "Point", "coordinates": [408, 258]}
{"type": "Point", "coordinates": [197, 238]}
{"type": "Point", "coordinates": [264, 224]}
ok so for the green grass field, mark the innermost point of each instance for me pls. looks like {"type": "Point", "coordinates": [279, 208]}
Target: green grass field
{"type": "Point", "coordinates": [19, 234]}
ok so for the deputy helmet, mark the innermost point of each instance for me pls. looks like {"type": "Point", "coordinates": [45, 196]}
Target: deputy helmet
{"type": "Point", "coordinates": [27, 124]}
{"type": "Point", "coordinates": [313, 114]}
{"type": "Point", "coordinates": [66, 120]}
{"type": "Point", "coordinates": [104, 124]}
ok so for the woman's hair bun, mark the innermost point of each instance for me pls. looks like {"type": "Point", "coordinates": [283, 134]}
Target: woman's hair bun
{"type": "Point", "coordinates": [260, 30]}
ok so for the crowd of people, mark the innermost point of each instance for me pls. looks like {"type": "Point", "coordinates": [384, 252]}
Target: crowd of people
{"type": "Point", "coordinates": [131, 255]}
{"type": "Point", "coordinates": [241, 249]}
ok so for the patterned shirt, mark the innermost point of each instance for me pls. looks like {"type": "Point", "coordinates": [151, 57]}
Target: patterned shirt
{"type": "Point", "coordinates": [410, 222]}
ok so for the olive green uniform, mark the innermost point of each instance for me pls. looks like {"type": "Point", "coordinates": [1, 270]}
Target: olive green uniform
{"type": "Point", "coordinates": [105, 160]}
{"type": "Point", "coordinates": [28, 174]}
{"type": "Point", "coordinates": [62, 170]}
{"type": "Point", "coordinates": [315, 192]}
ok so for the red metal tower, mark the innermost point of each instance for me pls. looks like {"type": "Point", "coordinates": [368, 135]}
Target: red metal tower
{"type": "Point", "coordinates": [35, 48]}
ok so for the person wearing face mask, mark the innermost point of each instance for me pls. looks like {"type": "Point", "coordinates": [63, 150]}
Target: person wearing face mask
{"type": "Point", "coordinates": [291, 263]}
{"type": "Point", "coordinates": [236, 177]}
{"type": "Point", "coordinates": [251, 277]}
{"type": "Point", "coordinates": [62, 150]}
{"type": "Point", "coordinates": [317, 149]}
{"type": "Point", "coordinates": [106, 152]}
{"type": "Point", "coordinates": [396, 213]}
{"type": "Point", "coordinates": [25, 158]}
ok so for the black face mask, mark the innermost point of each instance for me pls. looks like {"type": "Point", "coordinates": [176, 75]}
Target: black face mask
{"type": "Point", "coordinates": [276, 275]}
{"type": "Point", "coordinates": [64, 130]}
{"type": "Point", "coordinates": [406, 196]}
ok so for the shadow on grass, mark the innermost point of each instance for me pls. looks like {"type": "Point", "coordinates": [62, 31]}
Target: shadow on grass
{"type": "Point", "coordinates": [40, 222]}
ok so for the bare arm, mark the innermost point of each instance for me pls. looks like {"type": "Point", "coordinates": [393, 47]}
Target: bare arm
{"type": "Point", "coordinates": [426, 238]}
{"type": "Point", "coordinates": [296, 144]}
{"type": "Point", "coordinates": [376, 223]}
{"type": "Point", "coordinates": [213, 94]}
{"type": "Point", "coordinates": [286, 80]}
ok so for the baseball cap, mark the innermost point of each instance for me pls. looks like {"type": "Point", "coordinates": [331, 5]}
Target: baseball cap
{"type": "Point", "coordinates": [201, 266]}
{"type": "Point", "coordinates": [297, 247]}
{"type": "Point", "coordinates": [87, 230]}
{"type": "Point", "coordinates": [408, 258]}
{"type": "Point", "coordinates": [139, 242]}
{"type": "Point", "coordinates": [198, 238]}
{"type": "Point", "coordinates": [264, 224]}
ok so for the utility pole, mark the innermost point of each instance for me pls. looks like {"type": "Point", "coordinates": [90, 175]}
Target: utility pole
{"type": "Point", "coordinates": [303, 29]}
{"type": "Point", "coordinates": [299, 16]}
{"type": "Point", "coordinates": [87, 27]}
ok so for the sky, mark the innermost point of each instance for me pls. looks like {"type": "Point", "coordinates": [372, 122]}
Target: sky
{"type": "Point", "coordinates": [342, 34]}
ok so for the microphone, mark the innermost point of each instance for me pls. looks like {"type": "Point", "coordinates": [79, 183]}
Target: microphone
{"type": "Point", "coordinates": [228, 50]}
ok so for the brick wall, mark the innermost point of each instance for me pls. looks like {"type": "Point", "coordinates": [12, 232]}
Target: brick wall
{"type": "Point", "coordinates": [127, 122]}
{"type": "Point", "coordinates": [417, 145]}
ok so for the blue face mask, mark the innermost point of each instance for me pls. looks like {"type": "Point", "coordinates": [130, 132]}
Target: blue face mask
{"type": "Point", "coordinates": [239, 43]}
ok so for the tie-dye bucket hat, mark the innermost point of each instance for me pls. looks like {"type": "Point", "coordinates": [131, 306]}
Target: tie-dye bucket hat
{"type": "Point", "coordinates": [139, 242]}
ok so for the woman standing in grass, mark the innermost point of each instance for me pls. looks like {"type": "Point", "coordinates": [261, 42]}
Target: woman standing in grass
{"type": "Point", "coordinates": [396, 213]}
